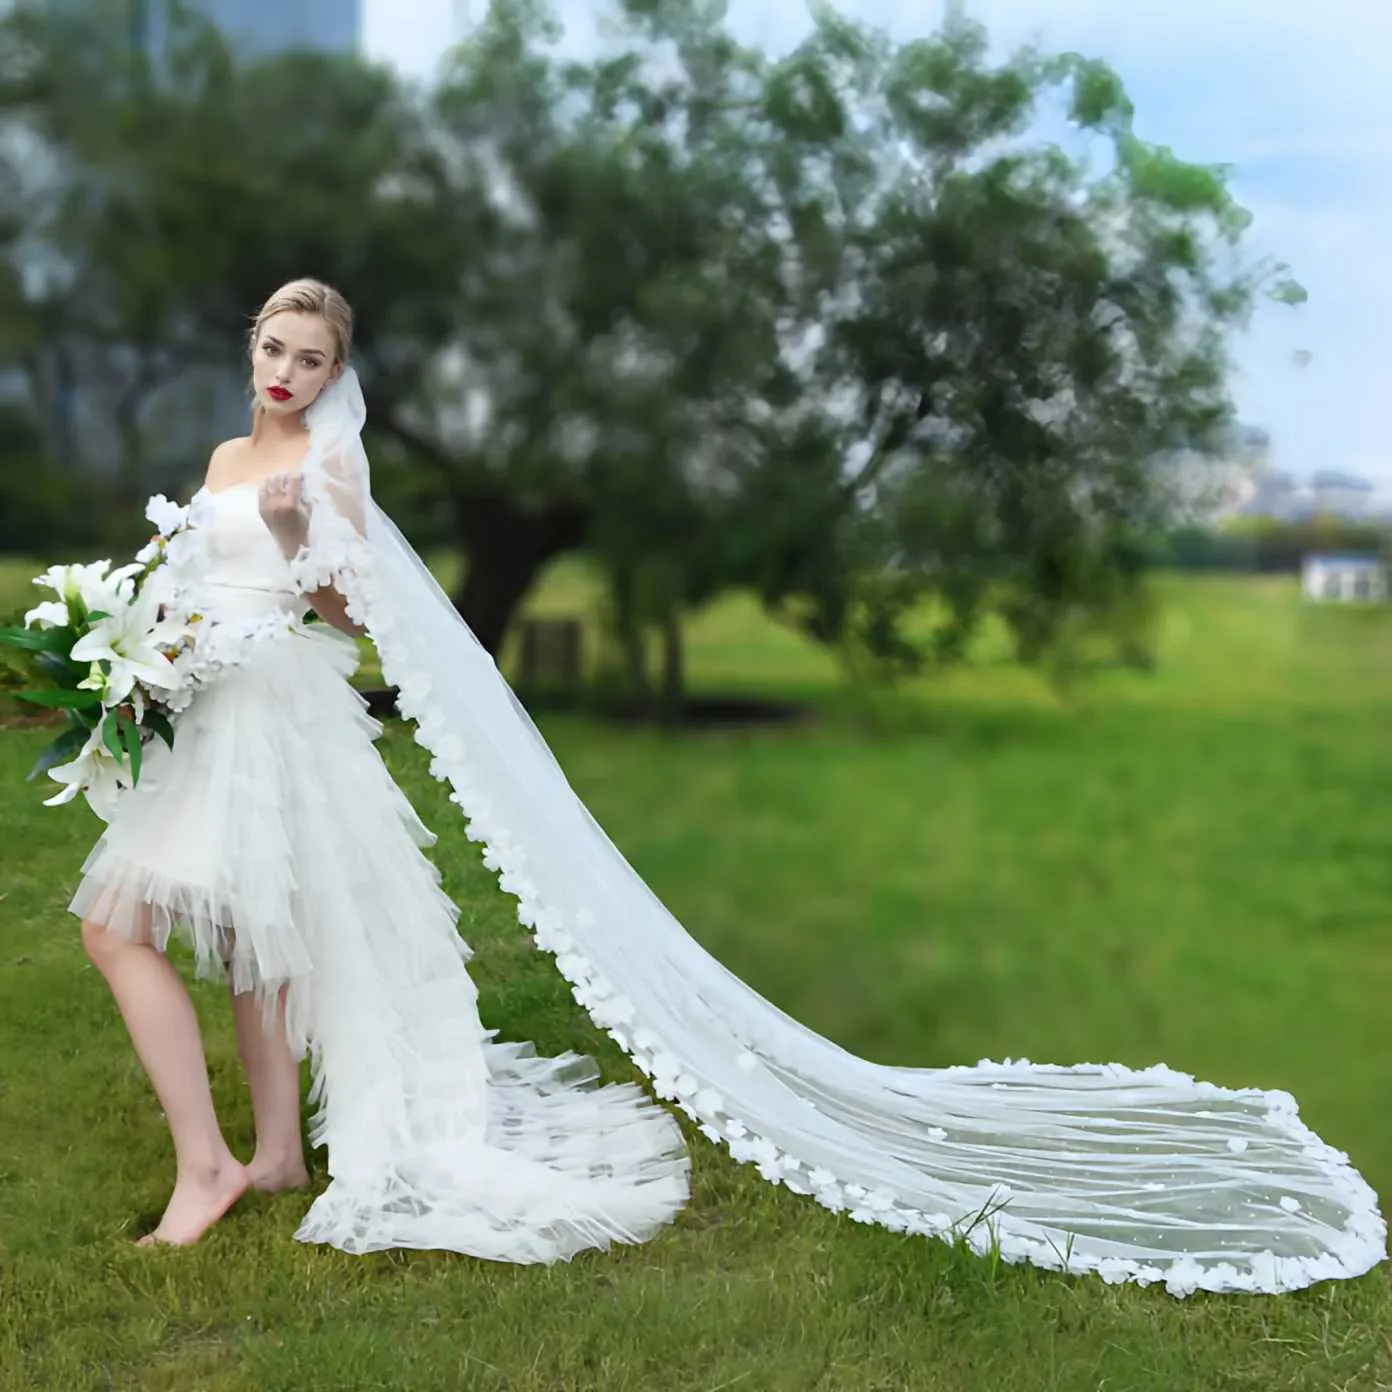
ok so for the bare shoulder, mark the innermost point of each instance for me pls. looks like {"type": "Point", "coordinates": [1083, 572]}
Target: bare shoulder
{"type": "Point", "coordinates": [223, 463]}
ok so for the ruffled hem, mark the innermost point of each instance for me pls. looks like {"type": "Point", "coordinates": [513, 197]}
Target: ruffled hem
{"type": "Point", "coordinates": [140, 904]}
{"type": "Point", "coordinates": [564, 1166]}
{"type": "Point", "coordinates": [214, 846]}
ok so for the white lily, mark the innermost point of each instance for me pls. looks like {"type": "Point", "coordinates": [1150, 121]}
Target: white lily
{"type": "Point", "coordinates": [119, 586]}
{"type": "Point", "coordinates": [76, 586]}
{"type": "Point", "coordinates": [52, 613]}
{"type": "Point", "coordinates": [96, 774]}
{"type": "Point", "coordinates": [68, 581]}
{"type": "Point", "coordinates": [168, 517]}
{"type": "Point", "coordinates": [95, 587]}
{"type": "Point", "coordinates": [132, 640]}
{"type": "Point", "coordinates": [74, 582]}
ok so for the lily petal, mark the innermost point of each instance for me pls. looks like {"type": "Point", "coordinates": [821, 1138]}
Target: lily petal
{"type": "Point", "coordinates": [52, 613]}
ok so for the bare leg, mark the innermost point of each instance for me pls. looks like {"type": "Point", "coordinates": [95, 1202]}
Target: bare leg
{"type": "Point", "coordinates": [273, 1074]}
{"type": "Point", "coordinates": [164, 1029]}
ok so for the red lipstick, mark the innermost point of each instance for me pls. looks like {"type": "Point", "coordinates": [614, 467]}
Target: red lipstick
{"type": "Point", "coordinates": [278, 393]}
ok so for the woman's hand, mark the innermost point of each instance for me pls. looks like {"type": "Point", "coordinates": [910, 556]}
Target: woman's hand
{"type": "Point", "coordinates": [285, 512]}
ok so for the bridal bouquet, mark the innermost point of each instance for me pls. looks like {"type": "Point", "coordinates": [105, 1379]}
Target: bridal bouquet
{"type": "Point", "coordinates": [116, 655]}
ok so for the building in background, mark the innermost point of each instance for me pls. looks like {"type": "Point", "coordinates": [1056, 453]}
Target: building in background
{"type": "Point", "coordinates": [1281, 497]}
{"type": "Point", "coordinates": [255, 27]}
{"type": "Point", "coordinates": [259, 27]}
{"type": "Point", "coordinates": [73, 410]}
{"type": "Point", "coordinates": [1344, 577]}
{"type": "Point", "coordinates": [1339, 494]}
{"type": "Point", "coordinates": [1204, 489]}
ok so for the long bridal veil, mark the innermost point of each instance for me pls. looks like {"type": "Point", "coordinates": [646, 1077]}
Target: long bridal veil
{"type": "Point", "coordinates": [1138, 1175]}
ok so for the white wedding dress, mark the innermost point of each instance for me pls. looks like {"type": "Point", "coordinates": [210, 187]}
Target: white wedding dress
{"type": "Point", "coordinates": [274, 837]}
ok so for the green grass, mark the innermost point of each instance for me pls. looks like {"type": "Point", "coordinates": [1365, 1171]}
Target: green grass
{"type": "Point", "coordinates": [1191, 867]}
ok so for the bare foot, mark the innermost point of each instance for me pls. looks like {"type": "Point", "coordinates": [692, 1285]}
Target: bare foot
{"type": "Point", "coordinates": [197, 1202]}
{"type": "Point", "coordinates": [275, 1177]}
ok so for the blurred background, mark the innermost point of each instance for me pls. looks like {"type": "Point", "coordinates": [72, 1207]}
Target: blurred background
{"type": "Point", "coordinates": [872, 329]}
{"type": "Point", "coordinates": [926, 467]}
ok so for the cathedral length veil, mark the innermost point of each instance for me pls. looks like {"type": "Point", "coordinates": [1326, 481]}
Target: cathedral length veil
{"type": "Point", "coordinates": [1137, 1175]}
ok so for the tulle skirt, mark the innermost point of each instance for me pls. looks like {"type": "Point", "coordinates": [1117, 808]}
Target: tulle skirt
{"type": "Point", "coordinates": [274, 840]}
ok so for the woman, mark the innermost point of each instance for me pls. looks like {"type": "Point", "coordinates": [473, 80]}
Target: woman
{"type": "Point", "coordinates": [274, 837]}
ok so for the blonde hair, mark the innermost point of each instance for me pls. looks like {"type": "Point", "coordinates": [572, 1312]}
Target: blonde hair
{"type": "Point", "coordinates": [306, 296]}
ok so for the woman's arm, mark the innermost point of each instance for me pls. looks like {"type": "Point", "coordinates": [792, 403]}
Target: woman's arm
{"type": "Point", "coordinates": [333, 609]}
{"type": "Point", "coordinates": [286, 515]}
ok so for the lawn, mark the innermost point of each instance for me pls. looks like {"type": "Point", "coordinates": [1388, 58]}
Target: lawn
{"type": "Point", "coordinates": [1191, 866]}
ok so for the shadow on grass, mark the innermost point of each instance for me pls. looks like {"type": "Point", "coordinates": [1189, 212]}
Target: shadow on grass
{"type": "Point", "coordinates": [888, 715]}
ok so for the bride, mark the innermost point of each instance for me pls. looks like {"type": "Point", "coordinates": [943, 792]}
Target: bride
{"type": "Point", "coordinates": [273, 838]}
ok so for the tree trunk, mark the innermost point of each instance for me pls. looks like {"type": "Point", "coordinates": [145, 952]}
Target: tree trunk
{"type": "Point", "coordinates": [128, 501]}
{"type": "Point", "coordinates": [672, 701]}
{"type": "Point", "coordinates": [145, 370]}
{"type": "Point", "coordinates": [506, 547]}
{"type": "Point", "coordinates": [629, 629]}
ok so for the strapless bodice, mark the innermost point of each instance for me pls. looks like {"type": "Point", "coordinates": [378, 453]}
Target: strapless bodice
{"type": "Point", "coordinates": [244, 570]}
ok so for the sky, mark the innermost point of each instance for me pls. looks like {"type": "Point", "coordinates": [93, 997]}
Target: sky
{"type": "Point", "coordinates": [1296, 97]}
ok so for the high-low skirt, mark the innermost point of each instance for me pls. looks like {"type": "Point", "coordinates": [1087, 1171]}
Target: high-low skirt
{"type": "Point", "coordinates": [274, 840]}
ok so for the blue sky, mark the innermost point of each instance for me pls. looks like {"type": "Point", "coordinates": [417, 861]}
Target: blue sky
{"type": "Point", "coordinates": [1296, 96]}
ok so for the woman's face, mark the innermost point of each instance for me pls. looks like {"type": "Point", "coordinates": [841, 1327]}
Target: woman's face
{"type": "Point", "coordinates": [292, 361]}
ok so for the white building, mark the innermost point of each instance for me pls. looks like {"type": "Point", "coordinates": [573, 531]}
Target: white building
{"type": "Point", "coordinates": [1345, 577]}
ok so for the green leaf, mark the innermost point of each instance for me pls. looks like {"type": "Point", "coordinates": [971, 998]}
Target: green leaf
{"type": "Point", "coordinates": [85, 720]}
{"type": "Point", "coordinates": [61, 700]}
{"type": "Point", "coordinates": [1099, 98]}
{"type": "Point", "coordinates": [61, 669]}
{"type": "Point", "coordinates": [54, 640]}
{"type": "Point", "coordinates": [130, 737]}
{"type": "Point", "coordinates": [161, 726]}
{"type": "Point", "coordinates": [111, 734]}
{"type": "Point", "coordinates": [96, 615]}
{"type": "Point", "coordinates": [67, 746]}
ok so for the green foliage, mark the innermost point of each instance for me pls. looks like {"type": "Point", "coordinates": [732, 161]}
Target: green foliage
{"type": "Point", "coordinates": [43, 655]}
{"type": "Point", "coordinates": [43, 504]}
{"type": "Point", "coordinates": [1268, 545]}
{"type": "Point", "coordinates": [15, 671]}
{"type": "Point", "coordinates": [37, 655]}
{"type": "Point", "coordinates": [830, 326]}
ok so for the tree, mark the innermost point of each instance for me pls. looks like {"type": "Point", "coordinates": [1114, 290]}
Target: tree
{"type": "Point", "coordinates": [180, 188]}
{"type": "Point", "coordinates": [615, 332]}
{"type": "Point", "coordinates": [1016, 342]}
{"type": "Point", "coordinates": [975, 354]}
{"type": "Point", "coordinates": [828, 327]}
